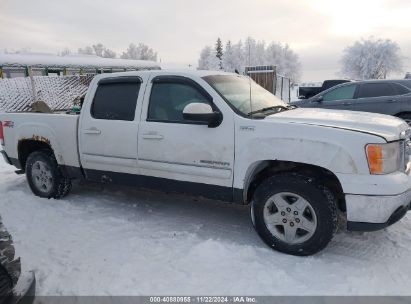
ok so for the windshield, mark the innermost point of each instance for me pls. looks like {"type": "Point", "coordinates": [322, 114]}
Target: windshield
{"type": "Point", "coordinates": [236, 90]}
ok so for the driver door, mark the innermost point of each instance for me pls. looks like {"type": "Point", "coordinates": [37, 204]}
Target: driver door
{"type": "Point", "coordinates": [170, 147]}
{"type": "Point", "coordinates": [341, 98]}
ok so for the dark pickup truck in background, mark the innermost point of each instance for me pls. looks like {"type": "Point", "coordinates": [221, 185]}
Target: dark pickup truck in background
{"type": "Point", "coordinates": [307, 92]}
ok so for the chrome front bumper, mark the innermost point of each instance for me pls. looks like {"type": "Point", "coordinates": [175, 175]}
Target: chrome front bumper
{"type": "Point", "coordinates": [368, 212]}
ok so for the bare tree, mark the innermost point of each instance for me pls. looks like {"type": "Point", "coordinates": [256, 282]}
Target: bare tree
{"type": "Point", "coordinates": [371, 59]}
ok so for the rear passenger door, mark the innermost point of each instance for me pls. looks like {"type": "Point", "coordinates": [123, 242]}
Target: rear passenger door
{"type": "Point", "coordinates": [109, 127]}
{"type": "Point", "coordinates": [378, 97]}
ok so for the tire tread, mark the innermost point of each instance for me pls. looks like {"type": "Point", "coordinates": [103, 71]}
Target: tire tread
{"type": "Point", "coordinates": [62, 183]}
{"type": "Point", "coordinates": [297, 180]}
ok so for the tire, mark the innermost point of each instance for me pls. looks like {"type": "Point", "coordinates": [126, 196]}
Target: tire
{"type": "Point", "coordinates": [10, 267]}
{"type": "Point", "coordinates": [406, 117]}
{"type": "Point", "coordinates": [45, 176]}
{"type": "Point", "coordinates": [294, 214]}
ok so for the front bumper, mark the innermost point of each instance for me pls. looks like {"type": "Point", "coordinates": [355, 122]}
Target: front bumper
{"type": "Point", "coordinates": [370, 213]}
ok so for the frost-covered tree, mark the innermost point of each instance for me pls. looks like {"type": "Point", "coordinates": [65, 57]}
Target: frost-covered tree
{"type": "Point", "coordinates": [208, 59]}
{"type": "Point", "coordinates": [228, 59]}
{"type": "Point", "coordinates": [88, 50]}
{"type": "Point", "coordinates": [286, 61]}
{"type": "Point", "coordinates": [371, 59]}
{"type": "Point", "coordinates": [139, 52]}
{"type": "Point", "coordinates": [98, 49]}
{"type": "Point", "coordinates": [65, 52]}
{"type": "Point", "coordinates": [251, 53]}
{"type": "Point", "coordinates": [24, 50]}
{"type": "Point", "coordinates": [107, 53]}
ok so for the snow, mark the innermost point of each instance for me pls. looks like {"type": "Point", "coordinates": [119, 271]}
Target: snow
{"type": "Point", "coordinates": [73, 61]}
{"type": "Point", "coordinates": [121, 241]}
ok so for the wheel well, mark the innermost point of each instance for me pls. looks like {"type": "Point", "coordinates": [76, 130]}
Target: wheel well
{"type": "Point", "coordinates": [402, 113]}
{"type": "Point", "coordinates": [28, 146]}
{"type": "Point", "coordinates": [268, 168]}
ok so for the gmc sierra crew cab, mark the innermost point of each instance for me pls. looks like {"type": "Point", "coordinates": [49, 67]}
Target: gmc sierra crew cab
{"type": "Point", "coordinates": [221, 136]}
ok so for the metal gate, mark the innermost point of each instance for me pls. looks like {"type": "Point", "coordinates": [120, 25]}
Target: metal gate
{"type": "Point", "coordinates": [267, 77]}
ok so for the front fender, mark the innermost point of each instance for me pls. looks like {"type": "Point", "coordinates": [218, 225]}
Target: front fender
{"type": "Point", "coordinates": [330, 156]}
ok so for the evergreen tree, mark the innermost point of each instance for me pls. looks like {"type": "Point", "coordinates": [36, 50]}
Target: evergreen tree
{"type": "Point", "coordinates": [219, 52]}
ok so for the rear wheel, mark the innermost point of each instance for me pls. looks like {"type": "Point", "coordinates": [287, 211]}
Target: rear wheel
{"type": "Point", "coordinates": [45, 177]}
{"type": "Point", "coordinates": [294, 214]}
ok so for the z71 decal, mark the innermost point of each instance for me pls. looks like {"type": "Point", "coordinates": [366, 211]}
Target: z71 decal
{"type": "Point", "coordinates": [8, 124]}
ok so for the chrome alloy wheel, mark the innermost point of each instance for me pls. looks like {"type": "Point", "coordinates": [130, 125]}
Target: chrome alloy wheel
{"type": "Point", "coordinates": [42, 176]}
{"type": "Point", "coordinates": [290, 218]}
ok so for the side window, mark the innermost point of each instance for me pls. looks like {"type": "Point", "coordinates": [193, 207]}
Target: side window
{"type": "Point", "coordinates": [168, 100]}
{"type": "Point", "coordinates": [115, 100]}
{"type": "Point", "coordinates": [369, 90]}
{"type": "Point", "coordinates": [400, 89]}
{"type": "Point", "coordinates": [345, 92]}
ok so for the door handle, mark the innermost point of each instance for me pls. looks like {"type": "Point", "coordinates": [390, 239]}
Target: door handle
{"type": "Point", "coordinates": [391, 100]}
{"type": "Point", "coordinates": [92, 131]}
{"type": "Point", "coordinates": [153, 136]}
{"type": "Point", "coordinates": [347, 103]}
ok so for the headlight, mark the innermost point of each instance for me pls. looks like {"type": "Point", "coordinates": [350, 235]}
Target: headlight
{"type": "Point", "coordinates": [384, 158]}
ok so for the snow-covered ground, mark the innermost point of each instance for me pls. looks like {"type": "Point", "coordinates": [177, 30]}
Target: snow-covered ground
{"type": "Point", "coordinates": [121, 241]}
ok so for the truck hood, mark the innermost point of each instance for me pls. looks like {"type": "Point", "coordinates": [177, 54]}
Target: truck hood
{"type": "Point", "coordinates": [385, 126]}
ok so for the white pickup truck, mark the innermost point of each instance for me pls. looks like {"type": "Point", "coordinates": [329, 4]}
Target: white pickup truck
{"type": "Point", "coordinates": [221, 136]}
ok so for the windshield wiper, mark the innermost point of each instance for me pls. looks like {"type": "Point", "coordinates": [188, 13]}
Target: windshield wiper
{"type": "Point", "coordinates": [279, 108]}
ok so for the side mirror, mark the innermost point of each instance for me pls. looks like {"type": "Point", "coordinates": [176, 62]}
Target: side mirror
{"type": "Point", "coordinates": [202, 112]}
{"type": "Point", "coordinates": [319, 99]}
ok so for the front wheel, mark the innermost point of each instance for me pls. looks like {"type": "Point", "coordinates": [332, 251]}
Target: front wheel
{"type": "Point", "coordinates": [294, 214]}
{"type": "Point", "coordinates": [45, 177]}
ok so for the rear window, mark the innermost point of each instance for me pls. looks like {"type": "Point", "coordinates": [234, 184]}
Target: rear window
{"type": "Point", "coordinates": [401, 90]}
{"type": "Point", "coordinates": [368, 90]}
{"type": "Point", "coordinates": [116, 99]}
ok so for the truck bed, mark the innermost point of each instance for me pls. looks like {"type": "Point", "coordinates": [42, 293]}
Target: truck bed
{"type": "Point", "coordinates": [59, 130]}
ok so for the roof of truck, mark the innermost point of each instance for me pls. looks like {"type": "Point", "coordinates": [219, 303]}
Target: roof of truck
{"type": "Point", "coordinates": [179, 72]}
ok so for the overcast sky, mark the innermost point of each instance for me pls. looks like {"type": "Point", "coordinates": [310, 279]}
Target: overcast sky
{"type": "Point", "coordinates": [317, 30]}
